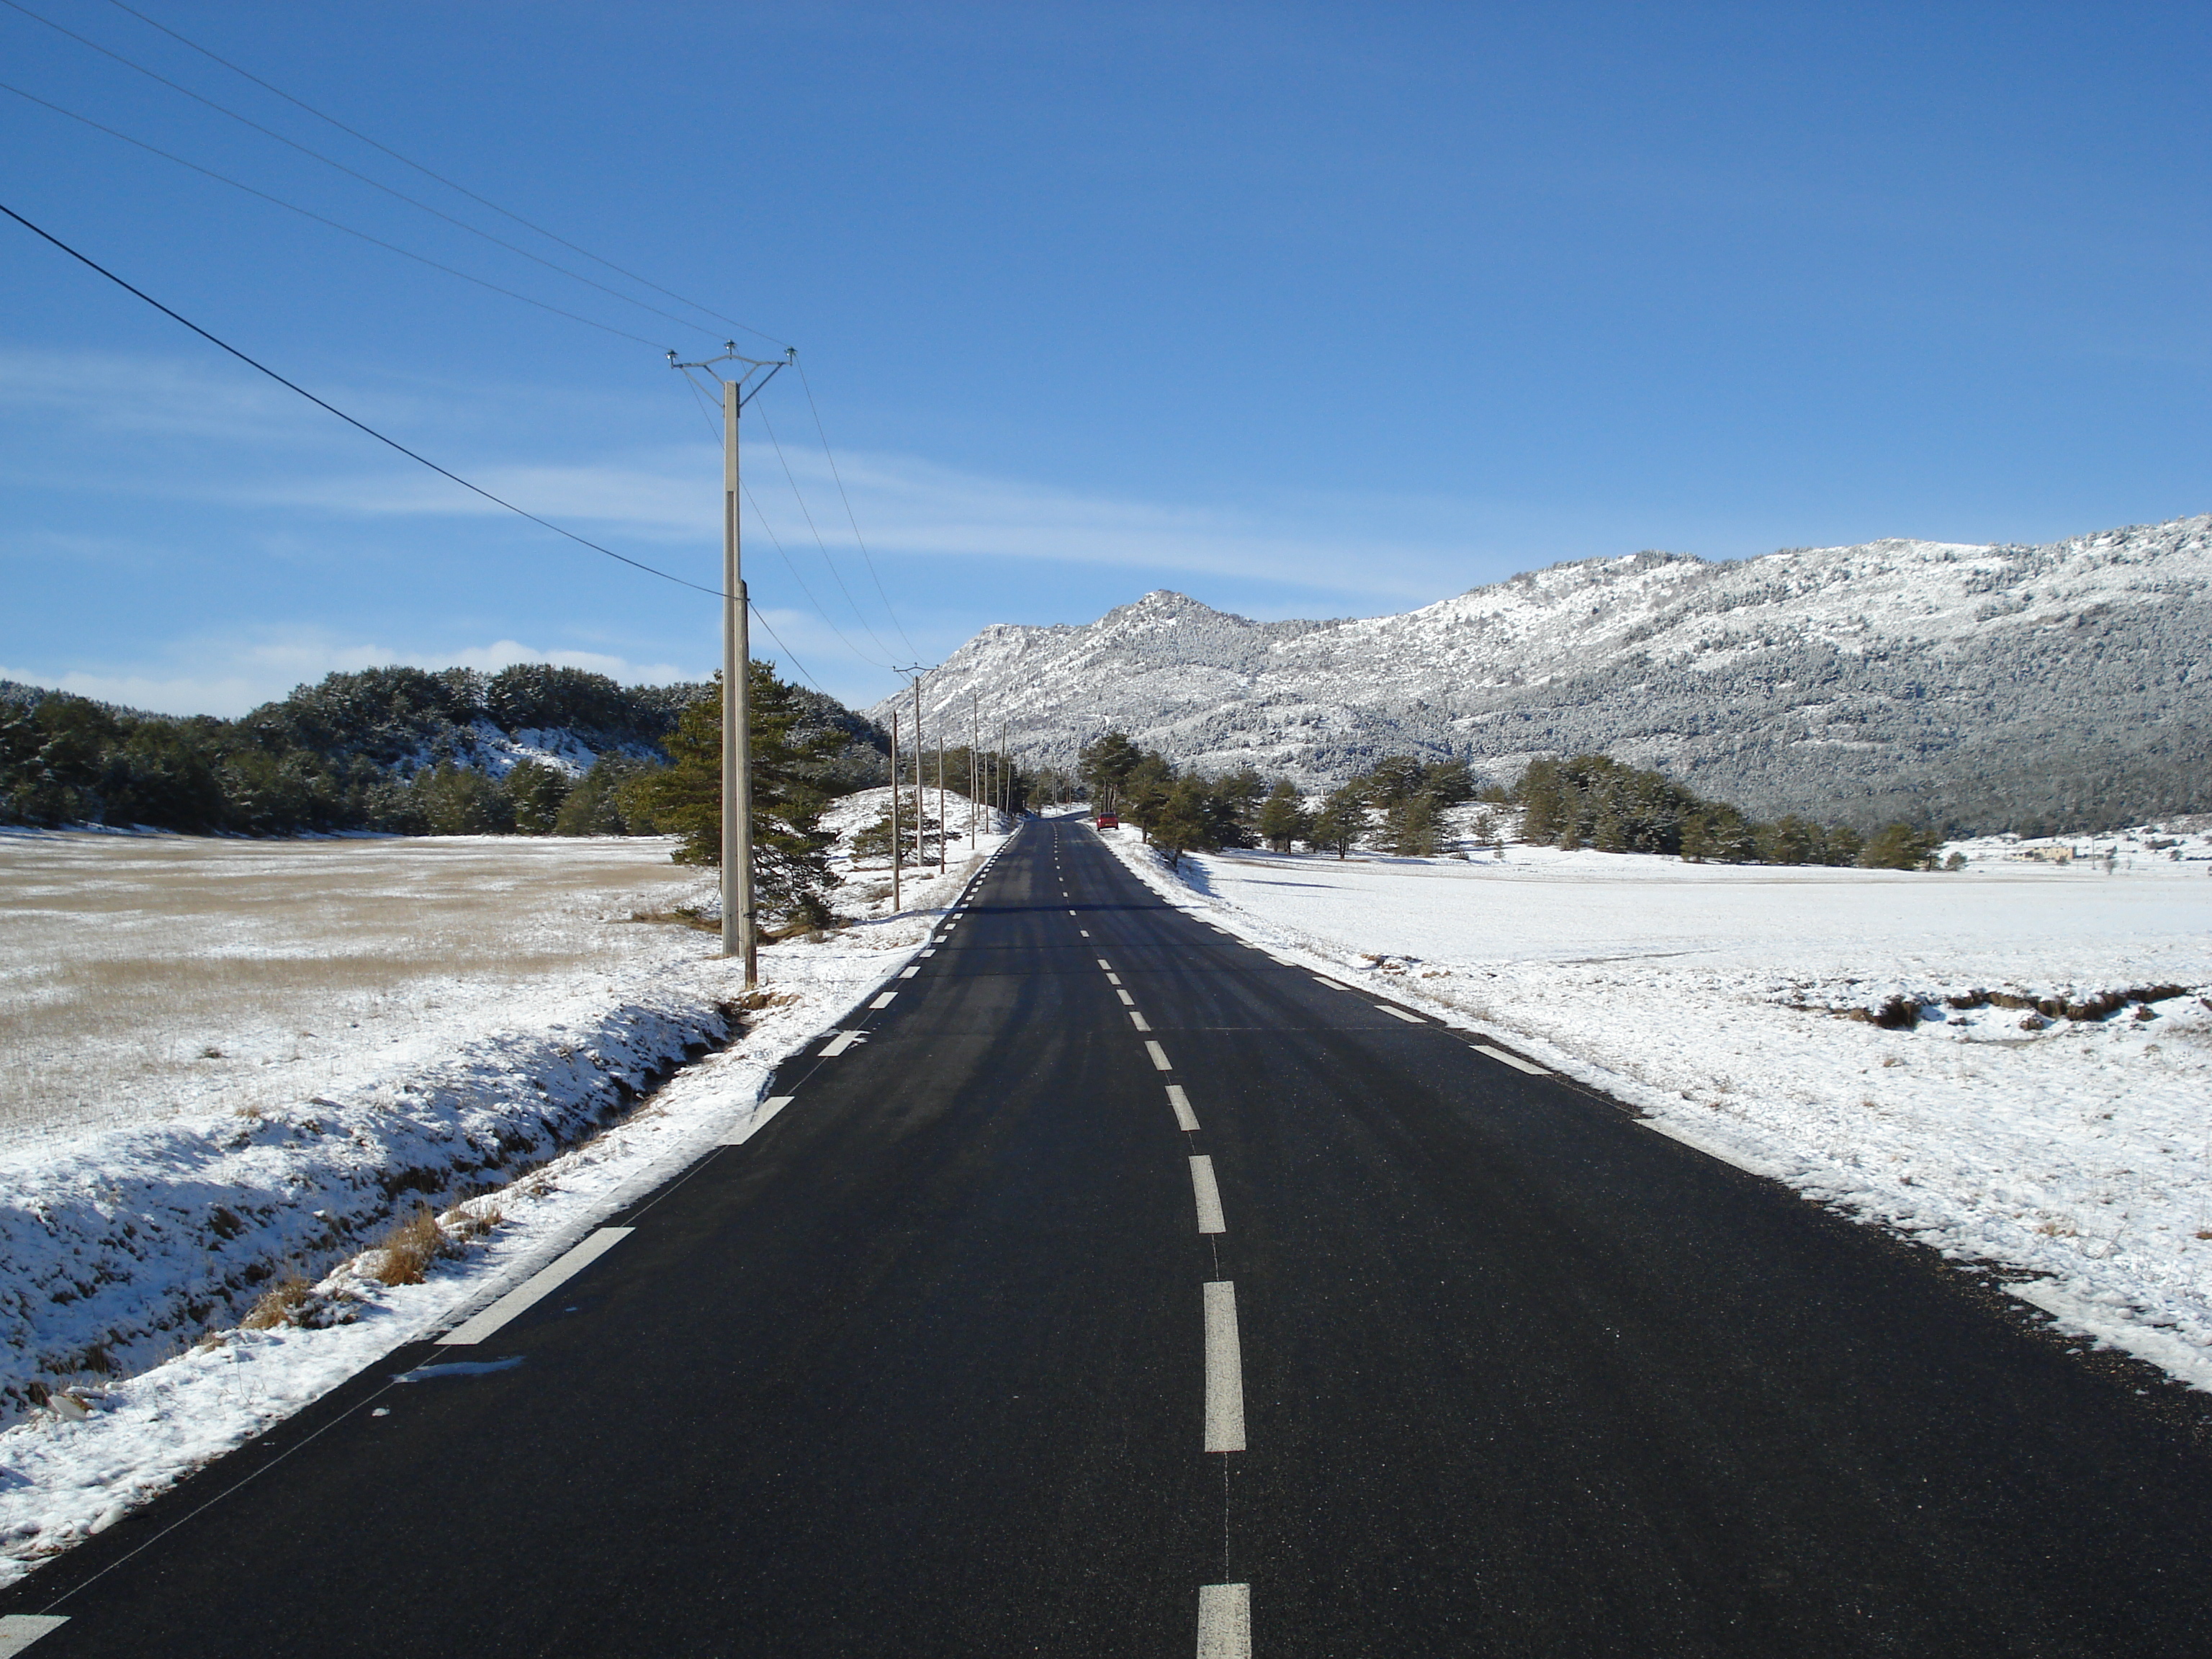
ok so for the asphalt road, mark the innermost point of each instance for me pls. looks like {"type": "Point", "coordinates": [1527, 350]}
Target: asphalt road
{"type": "Point", "coordinates": [941, 1362]}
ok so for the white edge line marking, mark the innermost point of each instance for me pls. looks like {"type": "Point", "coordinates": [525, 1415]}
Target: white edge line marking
{"type": "Point", "coordinates": [1186, 1119]}
{"type": "Point", "coordinates": [908, 973]}
{"type": "Point", "coordinates": [1138, 1021]}
{"type": "Point", "coordinates": [1208, 1194]}
{"type": "Point", "coordinates": [931, 952]}
{"type": "Point", "coordinates": [1225, 1370]}
{"type": "Point", "coordinates": [1224, 1621]}
{"type": "Point", "coordinates": [1742, 1161]}
{"type": "Point", "coordinates": [838, 1044]}
{"type": "Point", "coordinates": [1513, 1060]}
{"type": "Point", "coordinates": [884, 1000]}
{"type": "Point", "coordinates": [757, 1122]}
{"type": "Point", "coordinates": [1159, 1056]}
{"type": "Point", "coordinates": [19, 1630]}
{"type": "Point", "coordinates": [535, 1289]}
{"type": "Point", "coordinates": [1393, 1008]}
{"type": "Point", "coordinates": [1331, 983]}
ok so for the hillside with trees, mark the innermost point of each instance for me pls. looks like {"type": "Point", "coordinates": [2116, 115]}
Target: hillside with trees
{"type": "Point", "coordinates": [532, 750]}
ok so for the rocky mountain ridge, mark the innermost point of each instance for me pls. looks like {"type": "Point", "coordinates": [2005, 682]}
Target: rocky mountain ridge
{"type": "Point", "coordinates": [1974, 688]}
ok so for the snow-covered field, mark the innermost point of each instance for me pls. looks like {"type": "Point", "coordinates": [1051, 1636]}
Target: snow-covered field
{"type": "Point", "coordinates": [142, 976]}
{"type": "Point", "coordinates": [132, 1247]}
{"type": "Point", "coordinates": [1731, 1004]}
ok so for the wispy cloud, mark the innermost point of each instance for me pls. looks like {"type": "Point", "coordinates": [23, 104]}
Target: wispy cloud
{"type": "Point", "coordinates": [907, 507]}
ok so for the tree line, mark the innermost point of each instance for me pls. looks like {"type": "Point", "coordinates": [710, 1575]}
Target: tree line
{"type": "Point", "coordinates": [1398, 805]}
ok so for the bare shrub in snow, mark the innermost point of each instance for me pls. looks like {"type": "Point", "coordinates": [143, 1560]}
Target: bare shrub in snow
{"type": "Point", "coordinates": [278, 1304]}
{"type": "Point", "coordinates": [404, 1255]}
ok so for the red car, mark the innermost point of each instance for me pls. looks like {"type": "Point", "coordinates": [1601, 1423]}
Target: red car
{"type": "Point", "coordinates": [1108, 821]}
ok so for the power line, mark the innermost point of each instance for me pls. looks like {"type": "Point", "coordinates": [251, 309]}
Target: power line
{"type": "Point", "coordinates": [806, 513]}
{"type": "Point", "coordinates": [307, 213]}
{"type": "Point", "coordinates": [789, 655]}
{"type": "Point", "coordinates": [14, 5]}
{"type": "Point", "coordinates": [861, 540]}
{"type": "Point", "coordinates": [439, 177]}
{"type": "Point", "coordinates": [90, 264]}
{"type": "Point", "coordinates": [362, 426]}
{"type": "Point", "coordinates": [789, 564]}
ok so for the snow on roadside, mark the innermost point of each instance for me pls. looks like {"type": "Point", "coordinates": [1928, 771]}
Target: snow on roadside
{"type": "Point", "coordinates": [122, 1248]}
{"type": "Point", "coordinates": [1739, 1009]}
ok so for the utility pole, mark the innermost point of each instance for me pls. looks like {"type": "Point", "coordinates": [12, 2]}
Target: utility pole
{"type": "Point", "coordinates": [740, 938]}
{"type": "Point", "coordinates": [896, 906]}
{"type": "Point", "coordinates": [944, 835]}
{"type": "Point", "coordinates": [974, 759]}
{"type": "Point", "coordinates": [920, 844]}
{"type": "Point", "coordinates": [1005, 773]}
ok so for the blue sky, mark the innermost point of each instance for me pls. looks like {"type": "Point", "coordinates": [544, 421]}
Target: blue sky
{"type": "Point", "coordinates": [1304, 310]}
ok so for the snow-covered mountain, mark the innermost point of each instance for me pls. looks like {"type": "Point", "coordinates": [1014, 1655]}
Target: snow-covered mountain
{"type": "Point", "coordinates": [1985, 688]}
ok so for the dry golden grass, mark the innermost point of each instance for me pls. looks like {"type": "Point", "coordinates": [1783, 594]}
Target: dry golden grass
{"type": "Point", "coordinates": [143, 976]}
{"type": "Point", "coordinates": [409, 1249]}
{"type": "Point", "coordinates": [277, 1304]}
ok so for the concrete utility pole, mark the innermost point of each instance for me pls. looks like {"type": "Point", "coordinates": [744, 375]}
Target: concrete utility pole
{"type": "Point", "coordinates": [740, 938]}
{"type": "Point", "coordinates": [920, 845]}
{"type": "Point", "coordinates": [896, 906]}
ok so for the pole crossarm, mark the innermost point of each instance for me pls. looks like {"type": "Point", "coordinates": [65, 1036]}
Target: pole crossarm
{"type": "Point", "coordinates": [748, 387]}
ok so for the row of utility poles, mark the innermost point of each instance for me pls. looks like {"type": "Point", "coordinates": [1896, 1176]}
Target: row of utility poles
{"type": "Point", "coordinates": [740, 383]}
{"type": "Point", "coordinates": [1000, 789]}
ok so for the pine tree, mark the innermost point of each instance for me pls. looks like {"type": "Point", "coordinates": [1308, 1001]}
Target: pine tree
{"type": "Point", "coordinates": [1342, 820]}
{"type": "Point", "coordinates": [791, 864]}
{"type": "Point", "coordinates": [1409, 829]}
{"type": "Point", "coordinates": [1283, 816]}
{"type": "Point", "coordinates": [537, 792]}
{"type": "Point", "coordinates": [1192, 817]}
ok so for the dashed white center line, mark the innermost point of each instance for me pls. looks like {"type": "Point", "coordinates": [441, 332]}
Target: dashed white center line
{"type": "Point", "coordinates": [1085, 931]}
{"type": "Point", "coordinates": [1127, 1001]}
{"type": "Point", "coordinates": [1113, 978]}
{"type": "Point", "coordinates": [1208, 1195]}
{"type": "Point", "coordinates": [535, 1289]}
{"type": "Point", "coordinates": [1107, 965]}
{"type": "Point", "coordinates": [1392, 1009]}
{"type": "Point", "coordinates": [1224, 1370]}
{"type": "Point", "coordinates": [884, 1000]}
{"type": "Point", "coordinates": [1159, 1056]}
{"type": "Point", "coordinates": [1513, 1060]}
{"type": "Point", "coordinates": [1138, 1021]}
{"type": "Point", "coordinates": [1224, 1621]}
{"type": "Point", "coordinates": [1071, 913]}
{"type": "Point", "coordinates": [1186, 1119]}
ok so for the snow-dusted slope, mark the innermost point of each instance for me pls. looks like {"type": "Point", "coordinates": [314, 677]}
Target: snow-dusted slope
{"type": "Point", "coordinates": [1986, 687]}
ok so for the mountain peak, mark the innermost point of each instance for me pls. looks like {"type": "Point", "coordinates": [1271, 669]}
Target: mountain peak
{"type": "Point", "coordinates": [1973, 686]}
